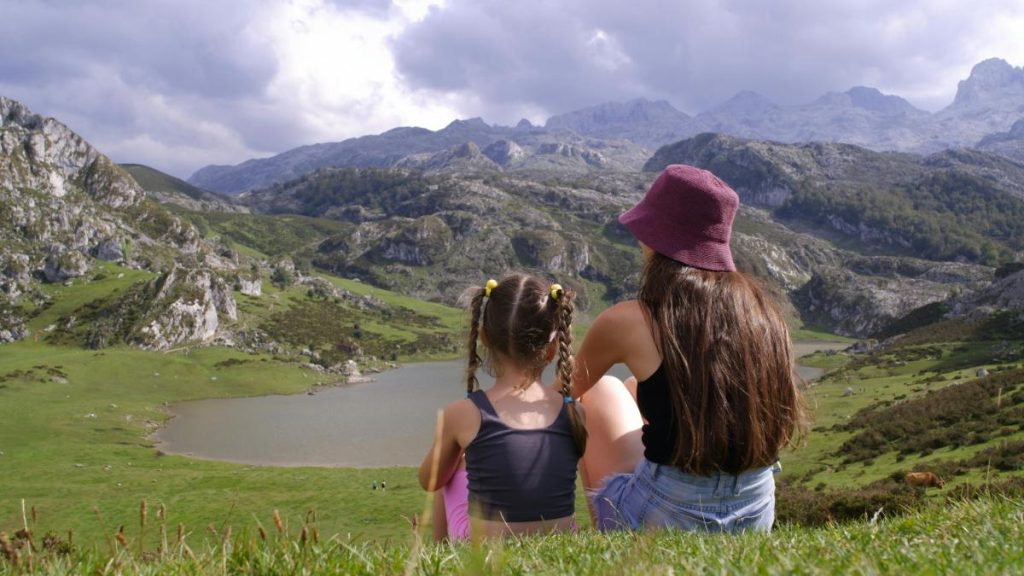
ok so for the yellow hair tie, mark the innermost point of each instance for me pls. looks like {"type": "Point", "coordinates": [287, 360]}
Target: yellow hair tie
{"type": "Point", "coordinates": [556, 289]}
{"type": "Point", "coordinates": [491, 285]}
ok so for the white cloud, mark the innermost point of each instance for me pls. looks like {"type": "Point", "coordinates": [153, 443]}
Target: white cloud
{"type": "Point", "coordinates": [182, 84]}
{"type": "Point", "coordinates": [220, 83]}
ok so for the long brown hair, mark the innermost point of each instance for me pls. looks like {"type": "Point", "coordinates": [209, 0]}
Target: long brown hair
{"type": "Point", "coordinates": [727, 356]}
{"type": "Point", "coordinates": [518, 320]}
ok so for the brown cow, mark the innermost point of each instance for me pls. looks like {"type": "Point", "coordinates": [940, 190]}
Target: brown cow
{"type": "Point", "coordinates": [924, 479]}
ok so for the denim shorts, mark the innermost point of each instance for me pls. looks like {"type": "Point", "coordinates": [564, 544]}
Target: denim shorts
{"type": "Point", "coordinates": [656, 495]}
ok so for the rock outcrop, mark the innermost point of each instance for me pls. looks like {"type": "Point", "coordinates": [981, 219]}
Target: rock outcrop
{"type": "Point", "coordinates": [868, 294]}
{"type": "Point", "coordinates": [182, 306]}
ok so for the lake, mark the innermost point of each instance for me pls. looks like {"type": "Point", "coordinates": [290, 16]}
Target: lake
{"type": "Point", "coordinates": [387, 422]}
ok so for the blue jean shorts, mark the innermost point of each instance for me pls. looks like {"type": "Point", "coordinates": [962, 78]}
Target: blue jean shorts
{"type": "Point", "coordinates": [656, 495]}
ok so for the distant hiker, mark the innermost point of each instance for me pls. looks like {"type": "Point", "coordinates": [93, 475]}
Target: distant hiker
{"type": "Point", "coordinates": [374, 484]}
{"type": "Point", "coordinates": [521, 440]}
{"type": "Point", "coordinates": [383, 485]}
{"type": "Point", "coordinates": [694, 444]}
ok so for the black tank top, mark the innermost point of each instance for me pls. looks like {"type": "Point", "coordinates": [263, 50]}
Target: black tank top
{"type": "Point", "coordinates": [521, 475]}
{"type": "Point", "coordinates": [655, 403]}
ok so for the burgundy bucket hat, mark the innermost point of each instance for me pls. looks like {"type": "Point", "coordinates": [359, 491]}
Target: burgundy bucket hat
{"type": "Point", "coordinates": [687, 216]}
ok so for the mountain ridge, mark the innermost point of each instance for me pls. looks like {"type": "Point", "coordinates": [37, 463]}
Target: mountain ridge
{"type": "Point", "coordinates": [989, 101]}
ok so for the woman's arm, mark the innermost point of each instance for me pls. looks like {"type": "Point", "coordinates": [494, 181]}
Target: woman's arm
{"type": "Point", "coordinates": [604, 345]}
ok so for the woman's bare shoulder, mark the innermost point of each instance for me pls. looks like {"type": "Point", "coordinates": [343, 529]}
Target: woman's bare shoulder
{"type": "Point", "coordinates": [623, 315]}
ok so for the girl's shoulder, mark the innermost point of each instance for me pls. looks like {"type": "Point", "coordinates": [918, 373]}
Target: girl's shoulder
{"type": "Point", "coordinates": [460, 420]}
{"type": "Point", "coordinates": [460, 409]}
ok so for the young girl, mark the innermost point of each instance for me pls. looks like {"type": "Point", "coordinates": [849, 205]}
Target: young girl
{"type": "Point", "coordinates": [512, 449]}
{"type": "Point", "coordinates": [694, 443]}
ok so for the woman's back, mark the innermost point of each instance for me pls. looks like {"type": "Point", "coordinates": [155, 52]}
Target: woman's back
{"type": "Point", "coordinates": [715, 399]}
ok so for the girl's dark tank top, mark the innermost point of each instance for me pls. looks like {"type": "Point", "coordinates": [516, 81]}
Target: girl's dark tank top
{"type": "Point", "coordinates": [521, 475]}
{"type": "Point", "coordinates": [655, 403]}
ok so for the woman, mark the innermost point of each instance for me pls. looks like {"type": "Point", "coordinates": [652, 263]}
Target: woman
{"type": "Point", "coordinates": [694, 444]}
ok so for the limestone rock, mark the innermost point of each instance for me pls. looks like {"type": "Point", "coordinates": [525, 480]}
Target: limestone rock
{"type": "Point", "coordinates": [12, 325]}
{"type": "Point", "coordinates": [64, 264]}
{"type": "Point", "coordinates": [188, 304]}
{"type": "Point", "coordinates": [250, 287]}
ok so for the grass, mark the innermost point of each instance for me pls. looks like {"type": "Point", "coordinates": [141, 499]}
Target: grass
{"type": "Point", "coordinates": [74, 447]}
{"type": "Point", "coordinates": [75, 424]}
{"type": "Point", "coordinates": [76, 443]}
{"type": "Point", "coordinates": [967, 537]}
{"type": "Point", "coordinates": [885, 378]}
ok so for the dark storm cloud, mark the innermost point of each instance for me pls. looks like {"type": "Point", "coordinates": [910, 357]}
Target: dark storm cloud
{"type": "Point", "coordinates": [564, 55]}
{"type": "Point", "coordinates": [192, 47]}
{"type": "Point", "coordinates": [111, 69]}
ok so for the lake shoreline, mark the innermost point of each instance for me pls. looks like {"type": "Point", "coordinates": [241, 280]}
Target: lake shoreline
{"type": "Point", "coordinates": [374, 423]}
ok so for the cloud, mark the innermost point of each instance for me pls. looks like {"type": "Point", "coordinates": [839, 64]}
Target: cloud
{"type": "Point", "coordinates": [379, 8]}
{"type": "Point", "coordinates": [182, 84]}
{"type": "Point", "coordinates": [569, 54]}
{"type": "Point", "coordinates": [179, 84]}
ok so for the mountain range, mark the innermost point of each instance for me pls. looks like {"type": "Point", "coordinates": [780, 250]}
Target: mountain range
{"type": "Point", "coordinates": [850, 238]}
{"type": "Point", "coordinates": [619, 135]}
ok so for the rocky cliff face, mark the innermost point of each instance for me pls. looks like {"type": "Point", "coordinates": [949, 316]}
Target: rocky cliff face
{"type": "Point", "coordinates": [1009, 144]}
{"type": "Point", "coordinates": [59, 199]}
{"type": "Point", "coordinates": [1002, 294]}
{"type": "Point", "coordinates": [188, 307]}
{"type": "Point", "coordinates": [990, 100]}
{"type": "Point", "coordinates": [650, 124]}
{"type": "Point", "coordinates": [59, 205]}
{"type": "Point", "coordinates": [429, 236]}
{"type": "Point", "coordinates": [867, 294]}
{"type": "Point", "coordinates": [64, 205]}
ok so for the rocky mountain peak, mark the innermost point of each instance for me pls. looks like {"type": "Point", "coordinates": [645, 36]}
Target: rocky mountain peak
{"type": "Point", "coordinates": [504, 152]}
{"type": "Point", "coordinates": [874, 100]}
{"type": "Point", "coordinates": [1017, 130]}
{"type": "Point", "coordinates": [467, 150]}
{"type": "Point", "coordinates": [992, 78]}
{"type": "Point", "coordinates": [524, 124]}
{"type": "Point", "coordinates": [13, 112]}
{"type": "Point", "coordinates": [476, 123]}
{"type": "Point", "coordinates": [645, 122]}
{"type": "Point", "coordinates": [745, 102]}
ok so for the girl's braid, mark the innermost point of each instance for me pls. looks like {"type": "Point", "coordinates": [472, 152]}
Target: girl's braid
{"type": "Point", "coordinates": [566, 367]}
{"type": "Point", "coordinates": [476, 311]}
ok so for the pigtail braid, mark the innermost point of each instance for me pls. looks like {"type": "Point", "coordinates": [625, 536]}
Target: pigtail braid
{"type": "Point", "coordinates": [566, 366]}
{"type": "Point", "coordinates": [476, 313]}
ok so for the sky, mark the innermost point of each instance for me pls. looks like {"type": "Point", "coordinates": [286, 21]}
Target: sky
{"type": "Point", "coordinates": [180, 84]}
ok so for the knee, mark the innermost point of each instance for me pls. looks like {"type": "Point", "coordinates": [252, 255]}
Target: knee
{"type": "Point", "coordinates": [606, 386]}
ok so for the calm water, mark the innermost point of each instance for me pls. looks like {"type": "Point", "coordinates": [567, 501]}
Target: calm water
{"type": "Point", "coordinates": [387, 422]}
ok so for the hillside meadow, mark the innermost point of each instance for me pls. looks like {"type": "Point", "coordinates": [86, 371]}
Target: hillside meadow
{"type": "Point", "coordinates": [78, 464]}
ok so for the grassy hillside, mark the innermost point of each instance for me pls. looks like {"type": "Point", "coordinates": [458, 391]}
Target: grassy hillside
{"type": "Point", "coordinates": [155, 180]}
{"type": "Point", "coordinates": [75, 423]}
{"type": "Point", "coordinates": [919, 404]}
